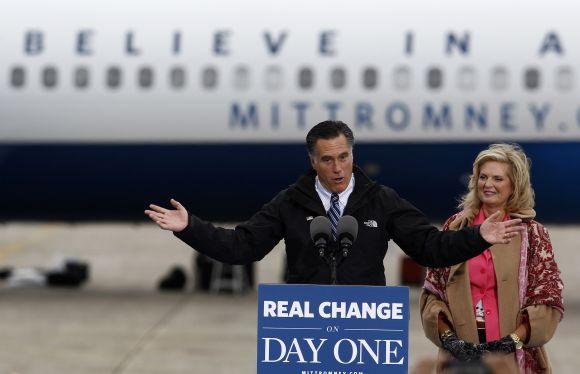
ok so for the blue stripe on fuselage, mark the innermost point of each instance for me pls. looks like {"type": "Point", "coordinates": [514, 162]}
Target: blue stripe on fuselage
{"type": "Point", "coordinates": [231, 181]}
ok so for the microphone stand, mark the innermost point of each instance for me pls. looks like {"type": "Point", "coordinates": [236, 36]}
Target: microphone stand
{"type": "Point", "coordinates": [333, 266]}
{"type": "Point", "coordinates": [341, 248]}
{"type": "Point", "coordinates": [331, 260]}
{"type": "Point", "coordinates": [330, 254]}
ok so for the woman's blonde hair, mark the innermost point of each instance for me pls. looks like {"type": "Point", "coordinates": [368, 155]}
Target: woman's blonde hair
{"type": "Point", "coordinates": [521, 200]}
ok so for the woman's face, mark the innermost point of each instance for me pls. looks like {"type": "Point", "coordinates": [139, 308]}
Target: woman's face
{"type": "Point", "coordinates": [494, 187]}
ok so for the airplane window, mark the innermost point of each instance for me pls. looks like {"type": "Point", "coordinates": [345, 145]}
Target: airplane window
{"type": "Point", "coordinates": [564, 78]}
{"type": "Point", "coordinates": [241, 78]}
{"type": "Point", "coordinates": [145, 77]}
{"type": "Point", "coordinates": [18, 77]}
{"type": "Point", "coordinates": [305, 78]}
{"type": "Point", "coordinates": [49, 77]}
{"type": "Point", "coordinates": [209, 78]}
{"type": "Point", "coordinates": [466, 78]}
{"type": "Point", "coordinates": [532, 78]}
{"type": "Point", "coordinates": [499, 78]}
{"type": "Point", "coordinates": [114, 77]}
{"type": "Point", "coordinates": [81, 77]}
{"type": "Point", "coordinates": [337, 78]}
{"type": "Point", "coordinates": [370, 78]}
{"type": "Point", "coordinates": [177, 77]}
{"type": "Point", "coordinates": [402, 78]}
{"type": "Point", "coordinates": [434, 78]}
{"type": "Point", "coordinates": [273, 78]}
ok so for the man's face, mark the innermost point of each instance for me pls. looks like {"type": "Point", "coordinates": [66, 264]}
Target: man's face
{"type": "Point", "coordinates": [332, 161]}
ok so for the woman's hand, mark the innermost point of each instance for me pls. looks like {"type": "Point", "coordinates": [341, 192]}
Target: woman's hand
{"type": "Point", "coordinates": [503, 345]}
{"type": "Point", "coordinates": [460, 349]}
{"type": "Point", "coordinates": [507, 344]}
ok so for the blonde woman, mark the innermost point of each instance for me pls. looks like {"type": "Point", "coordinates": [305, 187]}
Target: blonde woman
{"type": "Point", "coordinates": [508, 299]}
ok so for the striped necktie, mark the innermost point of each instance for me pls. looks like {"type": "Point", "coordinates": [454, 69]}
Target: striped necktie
{"type": "Point", "coordinates": [334, 213]}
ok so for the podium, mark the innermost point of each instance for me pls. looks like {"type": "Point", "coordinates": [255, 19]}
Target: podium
{"type": "Point", "coordinates": [316, 329]}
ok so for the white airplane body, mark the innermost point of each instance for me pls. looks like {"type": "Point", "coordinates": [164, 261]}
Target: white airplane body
{"type": "Point", "coordinates": [168, 74]}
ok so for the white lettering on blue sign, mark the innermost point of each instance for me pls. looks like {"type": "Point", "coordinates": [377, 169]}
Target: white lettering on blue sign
{"type": "Point", "coordinates": [280, 309]}
{"type": "Point", "coordinates": [345, 351]}
{"type": "Point", "coordinates": [333, 309]}
{"type": "Point", "coordinates": [386, 349]}
{"type": "Point", "coordinates": [278, 345]}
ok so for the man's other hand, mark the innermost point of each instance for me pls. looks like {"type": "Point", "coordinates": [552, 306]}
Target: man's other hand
{"type": "Point", "coordinates": [495, 231]}
{"type": "Point", "coordinates": [174, 220]}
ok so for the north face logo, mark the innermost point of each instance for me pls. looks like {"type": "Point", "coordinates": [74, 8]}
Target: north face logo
{"type": "Point", "coordinates": [371, 223]}
{"type": "Point", "coordinates": [309, 218]}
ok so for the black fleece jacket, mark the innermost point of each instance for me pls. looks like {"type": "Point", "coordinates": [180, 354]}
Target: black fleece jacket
{"type": "Point", "coordinates": [381, 214]}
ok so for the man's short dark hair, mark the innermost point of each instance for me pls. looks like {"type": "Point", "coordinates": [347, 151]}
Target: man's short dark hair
{"type": "Point", "coordinates": [328, 130]}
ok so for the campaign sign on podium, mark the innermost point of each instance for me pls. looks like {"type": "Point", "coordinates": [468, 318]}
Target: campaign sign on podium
{"type": "Point", "coordinates": [310, 329]}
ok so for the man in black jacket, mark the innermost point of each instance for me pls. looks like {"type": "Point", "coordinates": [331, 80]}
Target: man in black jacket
{"type": "Point", "coordinates": [334, 187]}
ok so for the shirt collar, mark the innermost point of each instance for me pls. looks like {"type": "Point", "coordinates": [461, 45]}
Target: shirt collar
{"type": "Point", "coordinates": [326, 194]}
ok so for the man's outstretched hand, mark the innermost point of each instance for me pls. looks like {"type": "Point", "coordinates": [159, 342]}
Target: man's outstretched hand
{"type": "Point", "coordinates": [496, 231]}
{"type": "Point", "coordinates": [174, 220]}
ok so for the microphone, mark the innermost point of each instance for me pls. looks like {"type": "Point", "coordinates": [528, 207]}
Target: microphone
{"type": "Point", "coordinates": [347, 232]}
{"type": "Point", "coordinates": [320, 232]}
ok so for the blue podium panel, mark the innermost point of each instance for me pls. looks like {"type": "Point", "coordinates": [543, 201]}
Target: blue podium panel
{"type": "Point", "coordinates": [311, 329]}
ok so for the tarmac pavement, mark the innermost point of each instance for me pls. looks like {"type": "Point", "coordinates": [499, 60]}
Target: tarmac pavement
{"type": "Point", "coordinates": [119, 323]}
